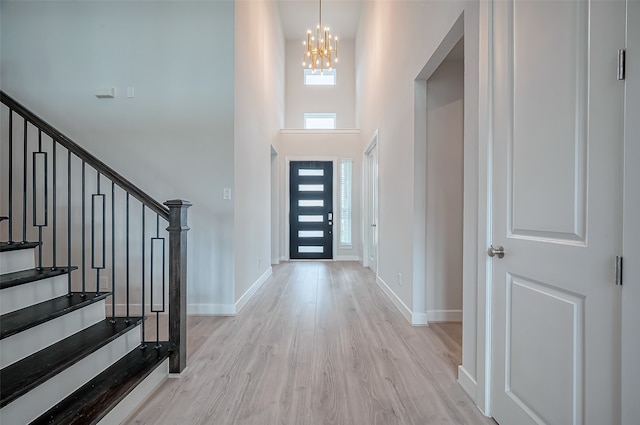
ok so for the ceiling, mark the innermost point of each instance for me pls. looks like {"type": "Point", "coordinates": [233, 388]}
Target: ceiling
{"type": "Point", "coordinates": [298, 16]}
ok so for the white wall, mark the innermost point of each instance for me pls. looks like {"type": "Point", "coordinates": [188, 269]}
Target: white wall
{"type": "Point", "coordinates": [394, 42]}
{"type": "Point", "coordinates": [175, 138]}
{"type": "Point", "coordinates": [445, 138]}
{"type": "Point", "coordinates": [259, 115]}
{"type": "Point", "coordinates": [339, 98]}
{"type": "Point", "coordinates": [304, 145]}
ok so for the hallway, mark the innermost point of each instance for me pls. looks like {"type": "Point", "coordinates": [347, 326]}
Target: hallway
{"type": "Point", "coordinates": [319, 343]}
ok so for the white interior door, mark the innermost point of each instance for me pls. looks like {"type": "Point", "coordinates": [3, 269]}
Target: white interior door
{"type": "Point", "coordinates": [556, 209]}
{"type": "Point", "coordinates": [372, 208]}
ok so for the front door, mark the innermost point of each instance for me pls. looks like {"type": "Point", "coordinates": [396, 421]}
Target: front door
{"type": "Point", "coordinates": [311, 210]}
{"type": "Point", "coordinates": [556, 211]}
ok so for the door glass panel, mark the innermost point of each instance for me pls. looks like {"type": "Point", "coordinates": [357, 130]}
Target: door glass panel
{"type": "Point", "coordinates": [310, 233]}
{"type": "Point", "coordinates": [308, 172]}
{"type": "Point", "coordinates": [310, 218]}
{"type": "Point", "coordinates": [311, 249]}
{"type": "Point", "coordinates": [311, 187]}
{"type": "Point", "coordinates": [310, 203]}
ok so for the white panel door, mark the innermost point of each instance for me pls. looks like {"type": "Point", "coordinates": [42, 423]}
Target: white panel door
{"type": "Point", "coordinates": [556, 208]}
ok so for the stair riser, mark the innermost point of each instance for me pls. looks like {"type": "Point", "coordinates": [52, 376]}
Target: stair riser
{"type": "Point", "coordinates": [25, 343]}
{"type": "Point", "coordinates": [39, 400]}
{"type": "Point", "coordinates": [136, 398]}
{"type": "Point", "coordinates": [22, 296]}
{"type": "Point", "coordinates": [14, 261]}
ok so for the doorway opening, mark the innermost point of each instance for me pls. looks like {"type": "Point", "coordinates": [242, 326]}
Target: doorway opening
{"type": "Point", "coordinates": [444, 188]}
{"type": "Point", "coordinates": [445, 199]}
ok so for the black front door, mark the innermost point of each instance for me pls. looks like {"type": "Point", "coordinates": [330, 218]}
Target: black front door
{"type": "Point", "coordinates": [311, 211]}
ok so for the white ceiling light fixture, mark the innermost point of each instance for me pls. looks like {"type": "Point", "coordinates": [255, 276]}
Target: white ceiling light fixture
{"type": "Point", "coordinates": [317, 51]}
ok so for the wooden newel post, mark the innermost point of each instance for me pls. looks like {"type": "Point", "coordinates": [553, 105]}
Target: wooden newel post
{"type": "Point", "coordinates": [178, 283]}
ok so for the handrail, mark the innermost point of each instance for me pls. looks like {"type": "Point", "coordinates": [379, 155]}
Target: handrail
{"type": "Point", "coordinates": [83, 154]}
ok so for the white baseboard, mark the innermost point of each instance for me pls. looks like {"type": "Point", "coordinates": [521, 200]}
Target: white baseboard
{"type": "Point", "coordinates": [401, 306]}
{"type": "Point", "coordinates": [242, 301]}
{"type": "Point", "coordinates": [275, 261]}
{"type": "Point", "coordinates": [444, 315]}
{"type": "Point", "coordinates": [211, 309]}
{"type": "Point", "coordinates": [419, 319]}
{"type": "Point", "coordinates": [347, 258]}
{"type": "Point", "coordinates": [467, 383]}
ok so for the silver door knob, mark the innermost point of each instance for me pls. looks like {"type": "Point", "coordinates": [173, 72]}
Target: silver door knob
{"type": "Point", "coordinates": [498, 252]}
{"type": "Point", "coordinates": [373, 225]}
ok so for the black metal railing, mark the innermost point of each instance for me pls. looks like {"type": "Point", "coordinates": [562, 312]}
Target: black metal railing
{"type": "Point", "coordinates": [114, 231]}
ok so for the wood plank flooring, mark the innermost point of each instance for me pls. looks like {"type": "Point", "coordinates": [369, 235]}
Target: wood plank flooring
{"type": "Point", "coordinates": [318, 344]}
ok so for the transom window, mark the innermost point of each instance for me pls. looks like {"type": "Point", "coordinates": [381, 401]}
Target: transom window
{"type": "Point", "coordinates": [319, 78]}
{"type": "Point", "coordinates": [320, 120]}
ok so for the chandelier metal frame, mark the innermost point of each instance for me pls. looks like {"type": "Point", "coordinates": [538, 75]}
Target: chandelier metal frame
{"type": "Point", "coordinates": [317, 51]}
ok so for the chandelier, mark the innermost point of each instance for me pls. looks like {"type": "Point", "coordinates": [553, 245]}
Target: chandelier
{"type": "Point", "coordinates": [317, 50]}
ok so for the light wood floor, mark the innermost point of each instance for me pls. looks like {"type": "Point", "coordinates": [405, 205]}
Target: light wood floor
{"type": "Point", "coordinates": [319, 343]}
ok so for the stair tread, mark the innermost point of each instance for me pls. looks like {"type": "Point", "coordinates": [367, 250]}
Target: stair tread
{"type": "Point", "coordinates": [26, 374]}
{"type": "Point", "coordinates": [95, 399]}
{"type": "Point", "coordinates": [15, 246]}
{"type": "Point", "coordinates": [8, 280]}
{"type": "Point", "coordinates": [28, 317]}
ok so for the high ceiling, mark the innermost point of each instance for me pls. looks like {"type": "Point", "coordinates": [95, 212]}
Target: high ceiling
{"type": "Point", "coordinates": [298, 16]}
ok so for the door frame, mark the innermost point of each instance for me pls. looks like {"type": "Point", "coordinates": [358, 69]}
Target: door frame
{"type": "Point", "coordinates": [630, 343]}
{"type": "Point", "coordinates": [287, 199]}
{"type": "Point", "coordinates": [366, 199]}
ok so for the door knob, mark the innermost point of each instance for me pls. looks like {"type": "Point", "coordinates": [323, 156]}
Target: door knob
{"type": "Point", "coordinates": [498, 252]}
{"type": "Point", "coordinates": [373, 225]}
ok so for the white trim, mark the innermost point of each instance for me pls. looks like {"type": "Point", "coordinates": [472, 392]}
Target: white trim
{"type": "Point", "coordinates": [211, 309]}
{"type": "Point", "coordinates": [400, 305]}
{"type": "Point", "coordinates": [466, 381]}
{"type": "Point", "coordinates": [419, 319]}
{"type": "Point", "coordinates": [483, 283]}
{"type": "Point", "coordinates": [347, 258]}
{"type": "Point", "coordinates": [444, 315]}
{"type": "Point", "coordinates": [275, 261]}
{"type": "Point", "coordinates": [318, 131]}
{"type": "Point", "coordinates": [244, 299]}
{"type": "Point", "coordinates": [366, 180]}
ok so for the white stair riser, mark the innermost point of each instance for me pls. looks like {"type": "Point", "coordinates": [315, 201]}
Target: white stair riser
{"type": "Point", "coordinates": [14, 261]}
{"type": "Point", "coordinates": [25, 343]}
{"type": "Point", "coordinates": [37, 401]}
{"type": "Point", "coordinates": [21, 296]}
{"type": "Point", "coordinates": [137, 397]}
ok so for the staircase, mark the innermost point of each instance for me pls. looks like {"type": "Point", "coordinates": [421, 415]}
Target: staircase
{"type": "Point", "coordinates": [92, 304]}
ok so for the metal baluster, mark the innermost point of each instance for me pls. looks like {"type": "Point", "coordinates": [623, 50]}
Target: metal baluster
{"type": "Point", "coordinates": [94, 198]}
{"type": "Point", "coordinates": [143, 346]}
{"type": "Point", "coordinates": [54, 206]}
{"type": "Point", "coordinates": [113, 252]}
{"type": "Point", "coordinates": [34, 194]}
{"type": "Point", "coordinates": [152, 284]}
{"type": "Point", "coordinates": [127, 320]}
{"type": "Point", "coordinates": [84, 287]}
{"type": "Point", "coordinates": [69, 222]}
{"type": "Point", "coordinates": [10, 213]}
{"type": "Point", "coordinates": [24, 185]}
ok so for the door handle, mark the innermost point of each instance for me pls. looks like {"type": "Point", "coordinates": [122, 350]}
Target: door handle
{"type": "Point", "coordinates": [373, 225]}
{"type": "Point", "coordinates": [498, 252]}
